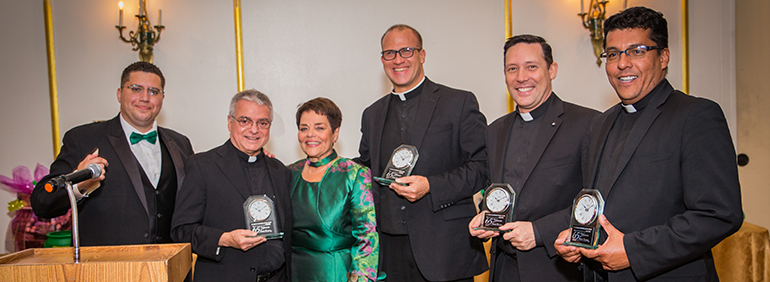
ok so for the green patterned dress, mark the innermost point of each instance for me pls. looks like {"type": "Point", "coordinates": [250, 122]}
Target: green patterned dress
{"type": "Point", "coordinates": [334, 224]}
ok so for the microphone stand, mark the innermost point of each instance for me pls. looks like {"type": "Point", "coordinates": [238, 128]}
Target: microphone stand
{"type": "Point", "coordinates": [75, 227]}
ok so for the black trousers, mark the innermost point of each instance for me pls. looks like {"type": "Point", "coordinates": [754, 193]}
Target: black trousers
{"type": "Point", "coordinates": [397, 260]}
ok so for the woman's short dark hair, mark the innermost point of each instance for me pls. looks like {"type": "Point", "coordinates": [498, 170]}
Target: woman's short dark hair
{"type": "Point", "coordinates": [324, 107]}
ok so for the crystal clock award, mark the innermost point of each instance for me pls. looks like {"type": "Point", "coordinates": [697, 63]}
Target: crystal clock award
{"type": "Point", "coordinates": [401, 164]}
{"type": "Point", "coordinates": [259, 211]}
{"type": "Point", "coordinates": [498, 203]}
{"type": "Point", "coordinates": [585, 227]}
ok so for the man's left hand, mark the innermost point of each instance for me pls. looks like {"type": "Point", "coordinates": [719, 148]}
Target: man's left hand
{"type": "Point", "coordinates": [418, 187]}
{"type": "Point", "coordinates": [521, 235]}
{"type": "Point", "coordinates": [611, 254]}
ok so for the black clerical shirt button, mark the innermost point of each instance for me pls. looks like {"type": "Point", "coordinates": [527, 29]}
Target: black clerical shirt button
{"type": "Point", "coordinates": [158, 238]}
{"type": "Point", "coordinates": [253, 269]}
{"type": "Point", "coordinates": [403, 222]}
{"type": "Point", "coordinates": [157, 192]}
{"type": "Point", "coordinates": [403, 207]}
{"type": "Point", "coordinates": [159, 215]}
{"type": "Point", "coordinates": [146, 235]}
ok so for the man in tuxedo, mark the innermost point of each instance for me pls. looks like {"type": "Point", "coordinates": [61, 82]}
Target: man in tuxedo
{"type": "Point", "coordinates": [536, 150]}
{"type": "Point", "coordinates": [664, 163]}
{"type": "Point", "coordinates": [422, 220]}
{"type": "Point", "coordinates": [210, 209]}
{"type": "Point", "coordinates": [142, 168]}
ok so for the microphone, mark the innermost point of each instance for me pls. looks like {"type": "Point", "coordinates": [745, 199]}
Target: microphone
{"type": "Point", "coordinates": [90, 172]}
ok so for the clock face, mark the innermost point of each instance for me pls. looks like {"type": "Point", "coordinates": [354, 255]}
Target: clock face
{"type": "Point", "coordinates": [498, 200]}
{"type": "Point", "coordinates": [585, 209]}
{"type": "Point", "coordinates": [259, 210]}
{"type": "Point", "coordinates": [402, 158]}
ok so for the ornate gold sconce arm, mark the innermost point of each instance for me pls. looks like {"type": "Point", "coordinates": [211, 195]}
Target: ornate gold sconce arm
{"type": "Point", "coordinates": [145, 36]}
{"type": "Point", "coordinates": [593, 20]}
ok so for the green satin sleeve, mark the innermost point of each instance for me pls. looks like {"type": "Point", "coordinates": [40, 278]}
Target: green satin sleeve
{"type": "Point", "coordinates": [365, 251]}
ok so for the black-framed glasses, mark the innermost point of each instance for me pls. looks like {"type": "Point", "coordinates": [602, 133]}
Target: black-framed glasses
{"type": "Point", "coordinates": [406, 52]}
{"type": "Point", "coordinates": [635, 52]}
{"type": "Point", "coordinates": [138, 89]}
{"type": "Point", "coordinates": [245, 122]}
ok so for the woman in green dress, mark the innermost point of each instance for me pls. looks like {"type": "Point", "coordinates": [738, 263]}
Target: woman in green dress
{"type": "Point", "coordinates": [334, 236]}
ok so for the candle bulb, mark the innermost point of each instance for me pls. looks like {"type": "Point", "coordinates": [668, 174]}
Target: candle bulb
{"type": "Point", "coordinates": [141, 7]}
{"type": "Point", "coordinates": [120, 15]}
{"type": "Point", "coordinates": [625, 4]}
{"type": "Point", "coordinates": [581, 6]}
{"type": "Point", "coordinates": [160, 16]}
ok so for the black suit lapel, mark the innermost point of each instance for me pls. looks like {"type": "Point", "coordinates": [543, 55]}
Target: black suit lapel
{"type": "Point", "coordinates": [597, 149]}
{"type": "Point", "coordinates": [279, 187]}
{"type": "Point", "coordinates": [377, 132]}
{"type": "Point", "coordinates": [176, 156]}
{"type": "Point", "coordinates": [498, 160]}
{"type": "Point", "coordinates": [228, 163]}
{"type": "Point", "coordinates": [428, 100]}
{"type": "Point", "coordinates": [548, 126]}
{"type": "Point", "coordinates": [119, 143]}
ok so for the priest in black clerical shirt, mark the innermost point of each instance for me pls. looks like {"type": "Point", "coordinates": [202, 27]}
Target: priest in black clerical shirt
{"type": "Point", "coordinates": [210, 207]}
{"type": "Point", "coordinates": [664, 162]}
{"type": "Point", "coordinates": [535, 149]}
{"type": "Point", "coordinates": [422, 225]}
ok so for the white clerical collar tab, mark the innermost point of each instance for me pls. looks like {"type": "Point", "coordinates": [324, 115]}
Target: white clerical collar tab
{"type": "Point", "coordinates": [629, 108]}
{"type": "Point", "coordinates": [526, 116]}
{"type": "Point", "coordinates": [401, 95]}
{"type": "Point", "coordinates": [252, 159]}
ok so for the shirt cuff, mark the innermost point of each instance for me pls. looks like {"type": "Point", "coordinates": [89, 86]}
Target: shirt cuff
{"type": "Point", "coordinates": [78, 194]}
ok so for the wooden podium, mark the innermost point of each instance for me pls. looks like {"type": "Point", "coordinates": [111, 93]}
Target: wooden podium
{"type": "Point", "coordinates": [157, 263]}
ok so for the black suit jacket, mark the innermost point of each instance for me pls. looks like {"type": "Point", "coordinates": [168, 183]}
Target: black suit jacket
{"type": "Point", "coordinates": [675, 193]}
{"type": "Point", "coordinates": [449, 135]}
{"type": "Point", "coordinates": [551, 179]}
{"type": "Point", "coordinates": [116, 213]}
{"type": "Point", "coordinates": [211, 204]}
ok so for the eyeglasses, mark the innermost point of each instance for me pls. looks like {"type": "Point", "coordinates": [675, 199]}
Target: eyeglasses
{"type": "Point", "coordinates": [245, 122]}
{"type": "Point", "coordinates": [405, 53]}
{"type": "Point", "coordinates": [635, 52]}
{"type": "Point", "coordinates": [138, 89]}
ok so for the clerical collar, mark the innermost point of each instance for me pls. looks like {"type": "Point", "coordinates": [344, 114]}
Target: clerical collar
{"type": "Point", "coordinates": [402, 95]}
{"type": "Point", "coordinates": [537, 112]}
{"type": "Point", "coordinates": [323, 161]}
{"type": "Point", "coordinates": [243, 156]}
{"type": "Point", "coordinates": [629, 108]}
{"type": "Point", "coordinates": [641, 104]}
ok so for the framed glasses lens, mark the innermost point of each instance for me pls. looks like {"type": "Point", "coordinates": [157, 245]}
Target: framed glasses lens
{"type": "Point", "coordinates": [406, 52]}
{"type": "Point", "coordinates": [388, 55]}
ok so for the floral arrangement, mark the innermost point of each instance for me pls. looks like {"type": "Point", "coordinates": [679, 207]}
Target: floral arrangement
{"type": "Point", "coordinates": [29, 230]}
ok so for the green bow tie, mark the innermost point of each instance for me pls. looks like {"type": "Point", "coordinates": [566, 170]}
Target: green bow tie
{"type": "Point", "coordinates": [150, 137]}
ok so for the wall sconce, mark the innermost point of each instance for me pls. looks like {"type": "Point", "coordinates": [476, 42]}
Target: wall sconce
{"type": "Point", "coordinates": [145, 37]}
{"type": "Point", "coordinates": [594, 21]}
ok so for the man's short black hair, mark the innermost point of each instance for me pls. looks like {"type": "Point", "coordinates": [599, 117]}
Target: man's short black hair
{"type": "Point", "coordinates": [530, 39]}
{"type": "Point", "coordinates": [639, 17]}
{"type": "Point", "coordinates": [143, 67]}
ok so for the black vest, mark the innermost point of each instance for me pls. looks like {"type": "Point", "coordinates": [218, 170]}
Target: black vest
{"type": "Point", "coordinates": [160, 201]}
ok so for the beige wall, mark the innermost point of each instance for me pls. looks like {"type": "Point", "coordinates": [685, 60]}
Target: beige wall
{"type": "Point", "coordinates": [297, 50]}
{"type": "Point", "coordinates": [753, 101]}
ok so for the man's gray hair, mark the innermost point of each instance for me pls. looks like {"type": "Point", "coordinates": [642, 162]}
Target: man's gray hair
{"type": "Point", "coordinates": [253, 96]}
